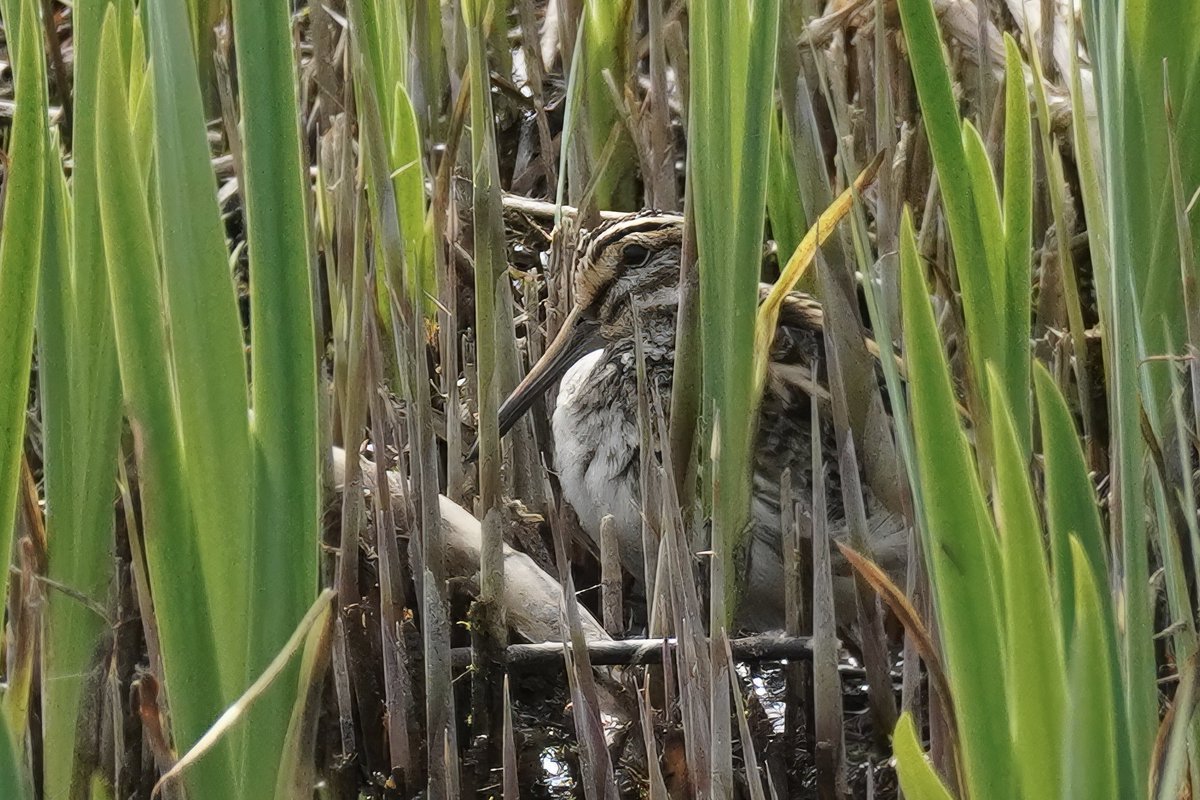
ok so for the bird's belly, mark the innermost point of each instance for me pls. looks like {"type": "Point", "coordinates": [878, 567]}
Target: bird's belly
{"type": "Point", "coordinates": [597, 455]}
{"type": "Point", "coordinates": [596, 444]}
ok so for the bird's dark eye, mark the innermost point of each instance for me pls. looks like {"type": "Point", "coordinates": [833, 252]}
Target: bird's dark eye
{"type": "Point", "coordinates": [634, 255]}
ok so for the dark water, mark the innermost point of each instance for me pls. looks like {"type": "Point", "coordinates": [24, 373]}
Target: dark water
{"type": "Point", "coordinates": [549, 758]}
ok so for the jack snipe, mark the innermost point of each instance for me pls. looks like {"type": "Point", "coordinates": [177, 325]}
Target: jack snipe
{"type": "Point", "coordinates": [629, 266]}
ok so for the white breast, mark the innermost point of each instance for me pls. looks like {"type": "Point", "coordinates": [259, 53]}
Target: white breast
{"type": "Point", "coordinates": [594, 439]}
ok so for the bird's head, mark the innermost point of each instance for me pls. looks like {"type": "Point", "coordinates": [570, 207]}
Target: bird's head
{"type": "Point", "coordinates": [627, 261]}
{"type": "Point", "coordinates": [633, 261]}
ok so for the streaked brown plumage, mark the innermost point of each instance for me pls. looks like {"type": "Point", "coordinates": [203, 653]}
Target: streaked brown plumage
{"type": "Point", "coordinates": [632, 264]}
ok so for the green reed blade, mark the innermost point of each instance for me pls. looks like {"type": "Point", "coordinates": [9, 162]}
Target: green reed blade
{"type": "Point", "coordinates": [955, 178]}
{"type": "Point", "coordinates": [918, 779]}
{"type": "Point", "coordinates": [184, 615]}
{"type": "Point", "coordinates": [784, 207]}
{"type": "Point", "coordinates": [80, 428]}
{"type": "Point", "coordinates": [727, 161]}
{"type": "Point", "coordinates": [282, 573]}
{"type": "Point", "coordinates": [1018, 237]}
{"type": "Point", "coordinates": [604, 32]}
{"type": "Point", "coordinates": [12, 778]}
{"type": "Point", "coordinates": [20, 262]}
{"type": "Point", "coordinates": [1073, 519]}
{"type": "Point", "coordinates": [206, 348]}
{"type": "Point", "coordinates": [1071, 505]}
{"type": "Point", "coordinates": [1035, 664]}
{"type": "Point", "coordinates": [964, 563]}
{"type": "Point", "coordinates": [1089, 766]}
{"type": "Point", "coordinates": [1131, 42]}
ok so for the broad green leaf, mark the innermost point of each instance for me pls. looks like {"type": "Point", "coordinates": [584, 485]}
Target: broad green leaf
{"type": "Point", "coordinates": [281, 576]}
{"type": "Point", "coordinates": [918, 779]}
{"type": "Point", "coordinates": [20, 260]}
{"type": "Point", "coordinates": [1130, 43]}
{"type": "Point", "coordinates": [1090, 767]}
{"type": "Point", "coordinates": [784, 194]}
{"type": "Point", "coordinates": [177, 580]}
{"type": "Point", "coordinates": [80, 429]}
{"type": "Point", "coordinates": [729, 131]}
{"type": "Point", "coordinates": [605, 28]}
{"type": "Point", "coordinates": [939, 112]}
{"type": "Point", "coordinates": [991, 224]}
{"type": "Point", "coordinates": [1035, 665]}
{"type": "Point", "coordinates": [1018, 236]}
{"type": "Point", "coordinates": [12, 782]}
{"type": "Point", "coordinates": [205, 339]}
{"type": "Point", "coordinates": [961, 548]}
{"type": "Point", "coordinates": [1073, 517]}
{"type": "Point", "coordinates": [1071, 505]}
{"type": "Point", "coordinates": [409, 185]}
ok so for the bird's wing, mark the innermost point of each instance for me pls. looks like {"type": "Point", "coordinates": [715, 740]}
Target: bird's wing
{"type": "Point", "coordinates": [799, 337]}
{"type": "Point", "coordinates": [797, 373]}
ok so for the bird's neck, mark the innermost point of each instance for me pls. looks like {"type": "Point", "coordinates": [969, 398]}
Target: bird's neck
{"type": "Point", "coordinates": [655, 332]}
{"type": "Point", "coordinates": [655, 329]}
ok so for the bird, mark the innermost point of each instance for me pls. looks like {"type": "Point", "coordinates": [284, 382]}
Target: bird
{"type": "Point", "coordinates": [630, 267]}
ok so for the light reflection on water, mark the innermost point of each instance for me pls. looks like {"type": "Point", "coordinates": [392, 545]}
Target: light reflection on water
{"type": "Point", "coordinates": [556, 772]}
{"type": "Point", "coordinates": [766, 681]}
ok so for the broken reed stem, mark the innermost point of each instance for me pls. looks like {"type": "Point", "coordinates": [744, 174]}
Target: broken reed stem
{"type": "Point", "coordinates": [610, 577]}
{"type": "Point", "coordinates": [635, 652]}
{"type": "Point", "coordinates": [488, 628]}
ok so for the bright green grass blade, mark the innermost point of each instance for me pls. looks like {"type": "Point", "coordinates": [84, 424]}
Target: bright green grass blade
{"type": "Point", "coordinates": [20, 260]}
{"type": "Point", "coordinates": [727, 162]}
{"type": "Point", "coordinates": [783, 191]}
{"type": "Point", "coordinates": [1090, 768]}
{"type": "Point", "coordinates": [962, 549]}
{"type": "Point", "coordinates": [385, 38]}
{"type": "Point", "coordinates": [1129, 461]}
{"type": "Point", "coordinates": [205, 339]}
{"type": "Point", "coordinates": [605, 31]}
{"type": "Point", "coordinates": [80, 428]}
{"type": "Point", "coordinates": [408, 180]}
{"type": "Point", "coordinates": [1130, 42]}
{"type": "Point", "coordinates": [22, 251]}
{"type": "Point", "coordinates": [1071, 504]}
{"type": "Point", "coordinates": [12, 782]}
{"type": "Point", "coordinates": [1073, 517]}
{"type": "Point", "coordinates": [283, 578]}
{"type": "Point", "coordinates": [1018, 237]}
{"type": "Point", "coordinates": [1135, 40]}
{"type": "Point", "coordinates": [918, 779]}
{"type": "Point", "coordinates": [729, 119]}
{"type": "Point", "coordinates": [430, 55]}
{"type": "Point", "coordinates": [986, 198]}
{"type": "Point", "coordinates": [141, 106]}
{"type": "Point", "coordinates": [177, 581]}
{"type": "Point", "coordinates": [955, 178]}
{"type": "Point", "coordinates": [1035, 665]}
{"type": "Point", "coordinates": [384, 44]}
{"type": "Point", "coordinates": [78, 551]}
{"type": "Point", "coordinates": [986, 345]}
